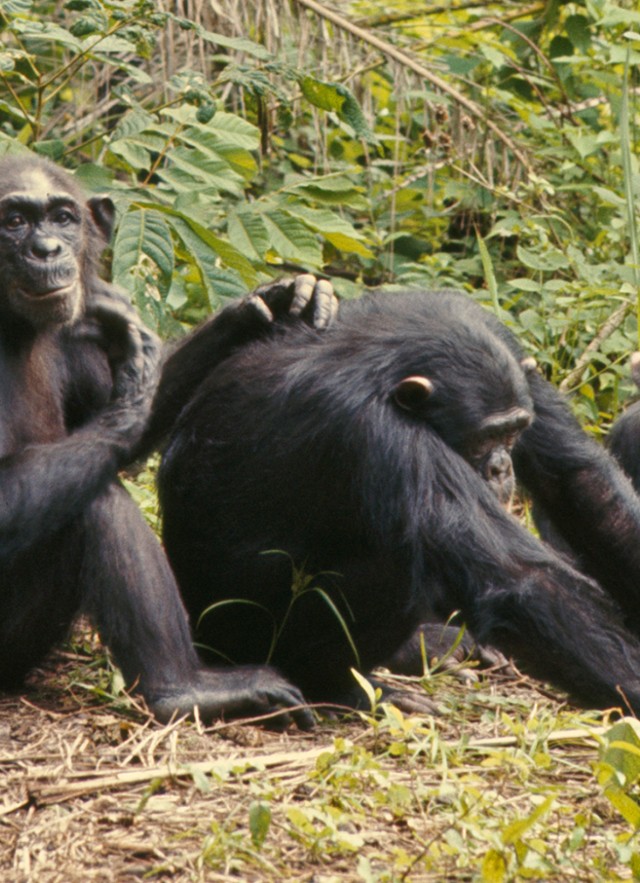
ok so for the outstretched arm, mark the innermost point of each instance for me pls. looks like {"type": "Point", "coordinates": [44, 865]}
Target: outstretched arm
{"type": "Point", "coordinates": [304, 297]}
{"type": "Point", "coordinates": [579, 489]}
{"type": "Point", "coordinates": [517, 595]}
{"type": "Point", "coordinates": [584, 494]}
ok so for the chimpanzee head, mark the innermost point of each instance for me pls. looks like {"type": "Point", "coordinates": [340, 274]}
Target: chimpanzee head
{"type": "Point", "coordinates": [471, 390]}
{"type": "Point", "coordinates": [50, 240]}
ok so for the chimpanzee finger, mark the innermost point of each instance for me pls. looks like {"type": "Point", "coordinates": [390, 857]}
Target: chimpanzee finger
{"type": "Point", "coordinates": [325, 304]}
{"type": "Point", "coordinates": [276, 295]}
{"type": "Point", "coordinates": [259, 308]}
{"type": "Point", "coordinates": [314, 298]}
{"type": "Point", "coordinates": [411, 702]}
{"type": "Point", "coordinates": [303, 289]}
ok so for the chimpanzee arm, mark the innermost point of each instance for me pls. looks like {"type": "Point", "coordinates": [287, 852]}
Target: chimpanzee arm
{"type": "Point", "coordinates": [582, 491]}
{"type": "Point", "coordinates": [44, 486]}
{"type": "Point", "coordinates": [249, 319]}
{"type": "Point", "coordinates": [519, 596]}
{"type": "Point", "coordinates": [579, 490]}
{"type": "Point", "coordinates": [623, 442]}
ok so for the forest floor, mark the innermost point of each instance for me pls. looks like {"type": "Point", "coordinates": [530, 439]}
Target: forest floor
{"type": "Point", "coordinates": [504, 784]}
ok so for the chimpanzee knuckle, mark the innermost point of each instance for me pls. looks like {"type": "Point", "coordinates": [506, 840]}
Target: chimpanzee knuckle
{"type": "Point", "coordinates": [276, 294]}
{"type": "Point", "coordinates": [304, 287]}
{"type": "Point", "coordinates": [257, 309]}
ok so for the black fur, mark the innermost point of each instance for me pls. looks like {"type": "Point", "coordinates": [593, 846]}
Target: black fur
{"type": "Point", "coordinates": [297, 455]}
{"type": "Point", "coordinates": [78, 373]}
{"type": "Point", "coordinates": [624, 438]}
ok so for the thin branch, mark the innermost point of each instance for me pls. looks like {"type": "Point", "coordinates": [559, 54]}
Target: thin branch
{"type": "Point", "coordinates": [613, 322]}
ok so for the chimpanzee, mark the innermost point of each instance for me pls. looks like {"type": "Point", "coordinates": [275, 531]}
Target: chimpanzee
{"type": "Point", "coordinates": [78, 372]}
{"type": "Point", "coordinates": [324, 494]}
{"type": "Point", "coordinates": [624, 439]}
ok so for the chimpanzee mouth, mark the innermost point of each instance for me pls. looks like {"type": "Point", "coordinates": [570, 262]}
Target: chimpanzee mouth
{"type": "Point", "coordinates": [61, 291]}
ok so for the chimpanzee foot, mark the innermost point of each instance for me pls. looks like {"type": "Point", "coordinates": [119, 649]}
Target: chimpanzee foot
{"type": "Point", "coordinates": [242, 691]}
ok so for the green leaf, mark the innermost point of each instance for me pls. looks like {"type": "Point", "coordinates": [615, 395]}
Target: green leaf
{"type": "Point", "coordinates": [238, 44]}
{"type": "Point", "coordinates": [621, 752]}
{"type": "Point", "coordinates": [188, 168]}
{"type": "Point", "coordinates": [626, 806]}
{"type": "Point", "coordinates": [513, 832]}
{"type": "Point", "coordinates": [333, 227]}
{"type": "Point", "coordinates": [247, 233]}
{"type": "Point", "coordinates": [143, 234]}
{"type": "Point", "coordinates": [549, 260]}
{"type": "Point", "coordinates": [489, 274]}
{"type": "Point", "coordinates": [337, 98]}
{"type": "Point", "coordinates": [292, 239]}
{"type": "Point", "coordinates": [259, 822]}
{"type": "Point", "coordinates": [494, 867]}
{"type": "Point", "coordinates": [227, 128]}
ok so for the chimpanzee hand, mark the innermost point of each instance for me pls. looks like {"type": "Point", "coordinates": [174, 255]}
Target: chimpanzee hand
{"type": "Point", "coordinates": [445, 649]}
{"type": "Point", "coordinates": [313, 300]}
{"type": "Point", "coordinates": [241, 691]}
{"type": "Point", "coordinates": [108, 318]}
{"type": "Point", "coordinates": [134, 355]}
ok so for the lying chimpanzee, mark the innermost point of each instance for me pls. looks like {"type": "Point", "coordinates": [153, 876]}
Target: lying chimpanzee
{"type": "Point", "coordinates": [359, 465]}
{"type": "Point", "coordinates": [77, 375]}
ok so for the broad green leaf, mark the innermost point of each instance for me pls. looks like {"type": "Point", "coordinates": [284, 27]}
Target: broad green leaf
{"type": "Point", "coordinates": [228, 128]}
{"type": "Point", "coordinates": [238, 44]}
{"type": "Point", "coordinates": [549, 260]}
{"type": "Point", "coordinates": [292, 239]}
{"type": "Point", "coordinates": [626, 805]}
{"type": "Point", "coordinates": [259, 822]}
{"type": "Point", "coordinates": [337, 98]}
{"type": "Point", "coordinates": [333, 227]}
{"type": "Point", "coordinates": [621, 752]}
{"type": "Point", "coordinates": [513, 832]}
{"type": "Point", "coordinates": [15, 7]}
{"type": "Point", "coordinates": [247, 233]}
{"type": "Point", "coordinates": [143, 234]}
{"type": "Point", "coordinates": [189, 168]}
{"type": "Point", "coordinates": [47, 32]}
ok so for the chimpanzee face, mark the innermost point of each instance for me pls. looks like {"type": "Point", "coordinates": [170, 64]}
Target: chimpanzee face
{"type": "Point", "coordinates": [44, 235]}
{"type": "Point", "coordinates": [489, 452]}
{"type": "Point", "coordinates": [479, 415]}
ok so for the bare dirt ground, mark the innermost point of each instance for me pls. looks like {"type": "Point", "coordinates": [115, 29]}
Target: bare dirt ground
{"type": "Point", "coordinates": [91, 789]}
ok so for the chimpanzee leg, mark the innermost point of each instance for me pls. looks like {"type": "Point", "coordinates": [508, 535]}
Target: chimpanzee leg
{"type": "Point", "coordinates": [128, 589]}
{"type": "Point", "coordinates": [38, 601]}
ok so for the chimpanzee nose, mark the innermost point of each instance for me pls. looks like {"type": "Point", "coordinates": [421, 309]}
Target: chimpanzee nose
{"type": "Point", "coordinates": [45, 247]}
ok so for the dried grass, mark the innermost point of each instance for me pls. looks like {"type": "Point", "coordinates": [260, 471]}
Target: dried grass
{"type": "Point", "coordinates": [99, 792]}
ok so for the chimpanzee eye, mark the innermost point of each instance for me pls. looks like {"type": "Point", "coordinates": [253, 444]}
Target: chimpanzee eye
{"type": "Point", "coordinates": [63, 217]}
{"type": "Point", "coordinates": [14, 221]}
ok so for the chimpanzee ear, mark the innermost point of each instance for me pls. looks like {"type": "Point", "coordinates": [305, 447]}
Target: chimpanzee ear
{"type": "Point", "coordinates": [412, 392]}
{"type": "Point", "coordinates": [103, 212]}
{"type": "Point", "coordinates": [528, 365]}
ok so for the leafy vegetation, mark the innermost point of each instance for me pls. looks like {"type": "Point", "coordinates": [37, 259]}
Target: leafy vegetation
{"type": "Point", "coordinates": [490, 146]}
{"type": "Point", "coordinates": [384, 145]}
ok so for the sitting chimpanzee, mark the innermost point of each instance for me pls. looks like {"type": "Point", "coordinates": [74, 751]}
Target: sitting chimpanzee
{"type": "Point", "coordinates": [78, 372]}
{"type": "Point", "coordinates": [624, 439]}
{"type": "Point", "coordinates": [323, 494]}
